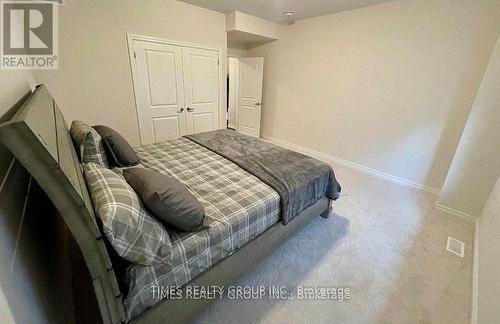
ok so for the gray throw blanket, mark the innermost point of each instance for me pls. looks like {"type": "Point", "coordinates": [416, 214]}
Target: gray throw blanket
{"type": "Point", "coordinates": [300, 180]}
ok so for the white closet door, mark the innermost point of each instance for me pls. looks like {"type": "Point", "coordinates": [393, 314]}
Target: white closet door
{"type": "Point", "coordinates": [201, 73]}
{"type": "Point", "coordinates": [250, 95]}
{"type": "Point", "coordinates": [160, 97]}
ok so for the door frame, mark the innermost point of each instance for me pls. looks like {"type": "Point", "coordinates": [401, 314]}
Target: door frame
{"type": "Point", "coordinates": [235, 82]}
{"type": "Point", "coordinates": [220, 86]}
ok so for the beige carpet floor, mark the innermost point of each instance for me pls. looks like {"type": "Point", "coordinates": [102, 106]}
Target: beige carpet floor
{"type": "Point", "coordinates": [386, 243]}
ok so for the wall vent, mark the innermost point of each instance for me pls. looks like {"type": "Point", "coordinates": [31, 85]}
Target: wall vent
{"type": "Point", "coordinates": [455, 246]}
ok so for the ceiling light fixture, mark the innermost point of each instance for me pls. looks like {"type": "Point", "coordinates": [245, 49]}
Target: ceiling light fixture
{"type": "Point", "coordinates": [288, 13]}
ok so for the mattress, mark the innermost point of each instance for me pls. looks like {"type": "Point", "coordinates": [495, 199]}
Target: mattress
{"type": "Point", "coordinates": [238, 206]}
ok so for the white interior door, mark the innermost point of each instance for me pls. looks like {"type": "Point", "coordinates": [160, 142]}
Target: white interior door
{"type": "Point", "coordinates": [201, 79]}
{"type": "Point", "coordinates": [250, 95]}
{"type": "Point", "coordinates": [160, 91]}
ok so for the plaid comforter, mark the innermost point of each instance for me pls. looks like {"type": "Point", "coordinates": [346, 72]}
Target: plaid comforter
{"type": "Point", "coordinates": [238, 206]}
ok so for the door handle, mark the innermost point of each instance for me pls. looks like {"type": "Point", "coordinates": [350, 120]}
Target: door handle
{"type": "Point", "coordinates": [190, 109]}
{"type": "Point", "coordinates": [180, 110]}
{"type": "Point", "coordinates": [257, 103]}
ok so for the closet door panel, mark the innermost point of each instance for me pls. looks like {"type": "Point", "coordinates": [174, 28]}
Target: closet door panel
{"type": "Point", "coordinates": [201, 73]}
{"type": "Point", "coordinates": [160, 95]}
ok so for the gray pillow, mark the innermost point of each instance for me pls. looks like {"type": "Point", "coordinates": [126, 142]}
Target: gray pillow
{"type": "Point", "coordinates": [120, 153]}
{"type": "Point", "coordinates": [167, 198]}
{"type": "Point", "coordinates": [132, 231]}
{"type": "Point", "coordinates": [88, 144]}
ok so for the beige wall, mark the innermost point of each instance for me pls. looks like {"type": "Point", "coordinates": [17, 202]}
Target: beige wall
{"type": "Point", "coordinates": [94, 80]}
{"type": "Point", "coordinates": [388, 87]}
{"type": "Point", "coordinates": [6, 316]}
{"type": "Point", "coordinates": [489, 261]}
{"type": "Point", "coordinates": [237, 49]}
{"type": "Point", "coordinates": [13, 85]}
{"type": "Point", "coordinates": [476, 164]}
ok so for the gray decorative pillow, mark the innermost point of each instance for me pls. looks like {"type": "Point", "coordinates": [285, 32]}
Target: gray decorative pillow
{"type": "Point", "coordinates": [168, 199]}
{"type": "Point", "coordinates": [132, 231]}
{"type": "Point", "coordinates": [89, 144]}
{"type": "Point", "coordinates": [120, 152]}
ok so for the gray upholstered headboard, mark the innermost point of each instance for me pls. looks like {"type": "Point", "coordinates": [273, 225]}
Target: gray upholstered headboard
{"type": "Point", "coordinates": [38, 137]}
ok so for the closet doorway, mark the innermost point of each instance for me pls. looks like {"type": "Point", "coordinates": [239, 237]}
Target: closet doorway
{"type": "Point", "coordinates": [176, 86]}
{"type": "Point", "coordinates": [245, 94]}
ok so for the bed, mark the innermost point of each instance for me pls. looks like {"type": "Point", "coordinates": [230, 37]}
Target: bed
{"type": "Point", "coordinates": [246, 214]}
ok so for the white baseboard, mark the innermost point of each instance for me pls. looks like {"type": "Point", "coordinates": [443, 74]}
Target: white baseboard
{"type": "Point", "coordinates": [455, 212]}
{"type": "Point", "coordinates": [334, 160]}
{"type": "Point", "coordinates": [475, 276]}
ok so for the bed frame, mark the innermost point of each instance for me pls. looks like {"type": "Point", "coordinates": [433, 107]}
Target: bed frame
{"type": "Point", "coordinates": [39, 138]}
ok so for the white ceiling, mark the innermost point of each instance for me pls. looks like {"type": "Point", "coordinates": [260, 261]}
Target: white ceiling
{"type": "Point", "coordinates": [273, 10]}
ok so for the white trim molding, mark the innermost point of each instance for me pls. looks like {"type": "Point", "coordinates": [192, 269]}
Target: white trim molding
{"type": "Point", "coordinates": [455, 212]}
{"type": "Point", "coordinates": [334, 160]}
{"type": "Point", "coordinates": [475, 276]}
